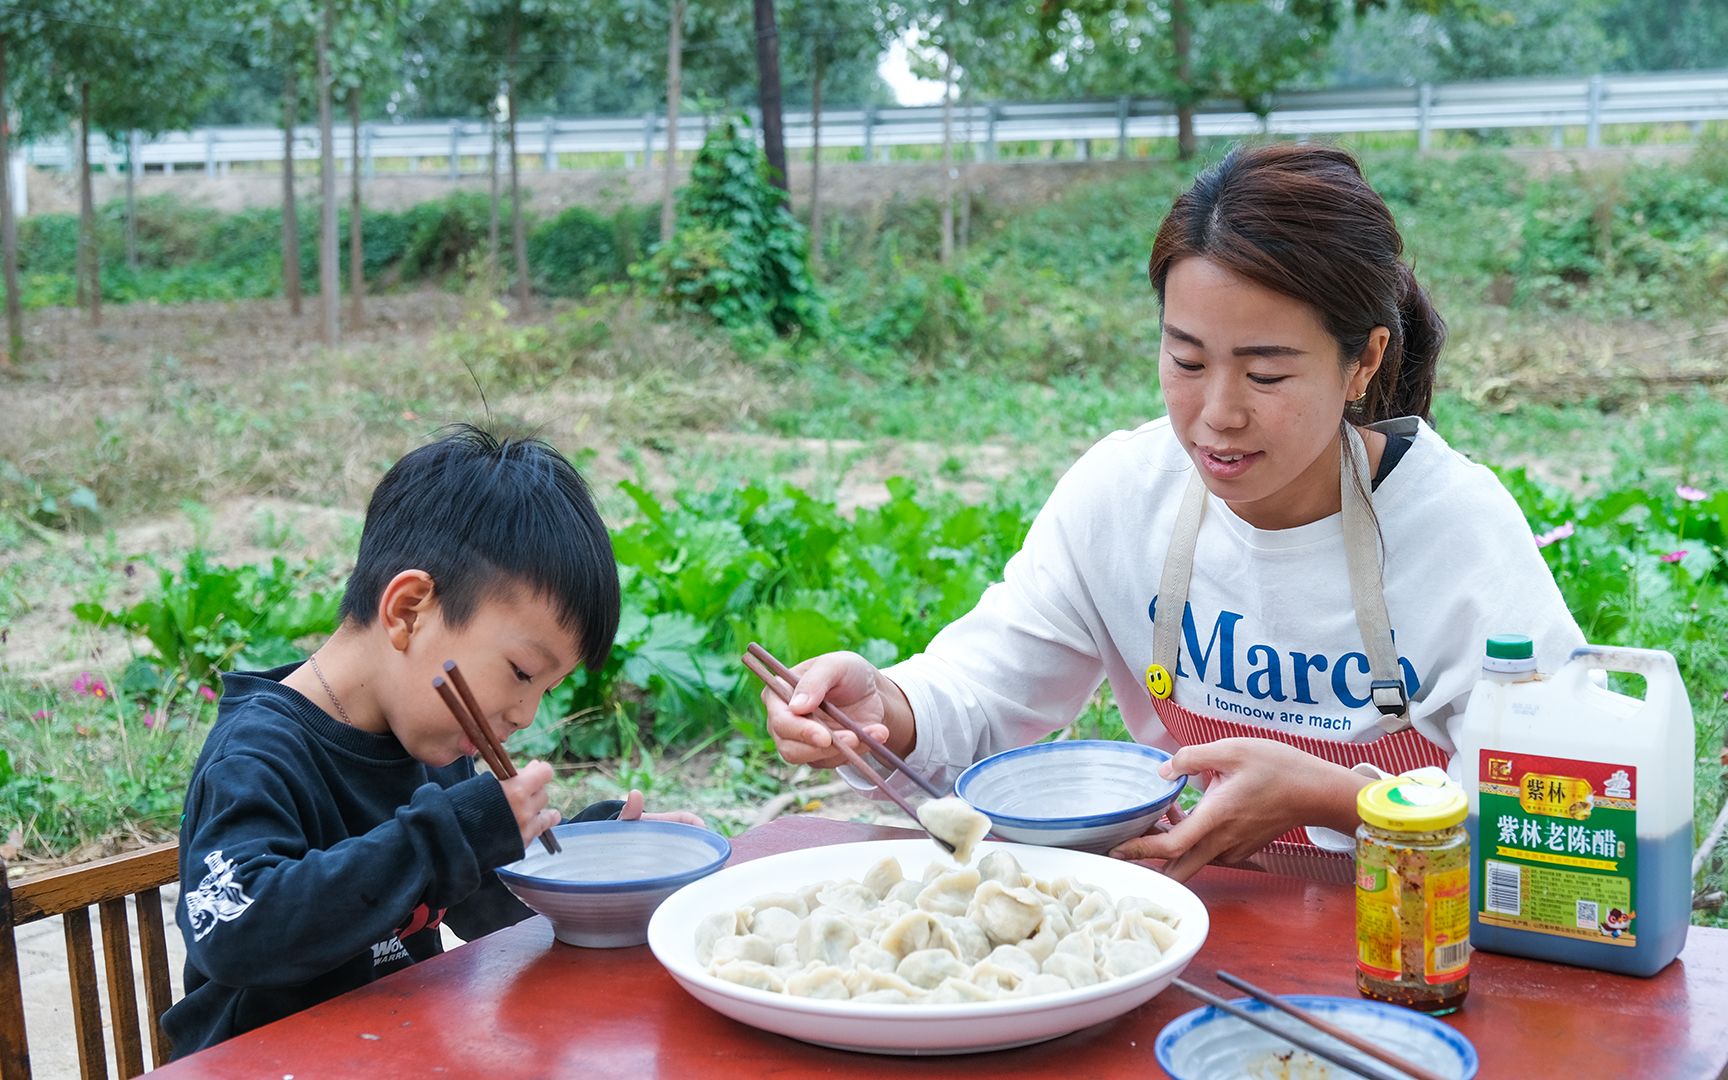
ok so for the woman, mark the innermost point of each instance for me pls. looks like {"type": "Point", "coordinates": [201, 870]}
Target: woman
{"type": "Point", "coordinates": [1287, 580]}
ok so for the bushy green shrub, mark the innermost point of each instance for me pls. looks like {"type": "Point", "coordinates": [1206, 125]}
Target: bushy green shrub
{"type": "Point", "coordinates": [1647, 240]}
{"type": "Point", "coordinates": [573, 252]}
{"type": "Point", "coordinates": [737, 253]}
{"type": "Point", "coordinates": [442, 233]}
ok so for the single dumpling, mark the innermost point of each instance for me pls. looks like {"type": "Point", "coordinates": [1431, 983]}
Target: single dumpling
{"type": "Point", "coordinates": [1043, 983]}
{"type": "Point", "coordinates": [868, 954]}
{"type": "Point", "coordinates": [904, 892]}
{"type": "Point", "coordinates": [882, 877]}
{"type": "Point", "coordinates": [917, 930]}
{"type": "Point", "coordinates": [750, 947]}
{"type": "Point", "coordinates": [790, 901]}
{"type": "Point", "coordinates": [1007, 915]}
{"type": "Point", "coordinates": [823, 981]}
{"type": "Point", "coordinates": [1003, 867]}
{"type": "Point", "coordinates": [959, 991]}
{"type": "Point", "coordinates": [996, 979]}
{"type": "Point", "coordinates": [826, 937]}
{"type": "Point", "coordinates": [848, 897]}
{"type": "Point", "coordinates": [868, 980]}
{"type": "Point", "coordinates": [971, 943]}
{"type": "Point", "coordinates": [927, 968]}
{"type": "Point", "coordinates": [777, 926]}
{"type": "Point", "coordinates": [1015, 959]}
{"type": "Point", "coordinates": [751, 974]}
{"type": "Point", "coordinates": [952, 819]}
{"type": "Point", "coordinates": [950, 894]}
{"type": "Point", "coordinates": [1124, 957]}
{"type": "Point", "coordinates": [716, 926]}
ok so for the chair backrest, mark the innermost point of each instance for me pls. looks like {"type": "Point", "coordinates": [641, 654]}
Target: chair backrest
{"type": "Point", "coordinates": [70, 893]}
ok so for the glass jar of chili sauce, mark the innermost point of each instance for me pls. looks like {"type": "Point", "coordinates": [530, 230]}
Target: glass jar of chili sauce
{"type": "Point", "coordinates": [1413, 893]}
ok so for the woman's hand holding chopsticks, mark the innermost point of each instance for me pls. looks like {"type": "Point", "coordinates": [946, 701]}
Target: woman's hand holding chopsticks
{"type": "Point", "coordinates": [851, 682]}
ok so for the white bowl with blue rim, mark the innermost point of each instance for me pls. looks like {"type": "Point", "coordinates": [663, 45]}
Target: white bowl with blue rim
{"type": "Point", "coordinates": [601, 890]}
{"type": "Point", "coordinates": [1085, 794]}
{"type": "Point", "coordinates": [1209, 1042]}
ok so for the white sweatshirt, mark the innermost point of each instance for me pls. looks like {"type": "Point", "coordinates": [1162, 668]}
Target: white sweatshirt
{"type": "Point", "coordinates": [1272, 633]}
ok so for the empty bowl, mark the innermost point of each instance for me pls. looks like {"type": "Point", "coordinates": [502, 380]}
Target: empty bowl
{"type": "Point", "coordinates": [602, 888]}
{"type": "Point", "coordinates": [1086, 794]}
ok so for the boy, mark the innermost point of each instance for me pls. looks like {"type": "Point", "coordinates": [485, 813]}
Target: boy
{"type": "Point", "coordinates": [335, 817]}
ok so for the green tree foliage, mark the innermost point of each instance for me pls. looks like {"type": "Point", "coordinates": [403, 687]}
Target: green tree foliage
{"type": "Point", "coordinates": [738, 254]}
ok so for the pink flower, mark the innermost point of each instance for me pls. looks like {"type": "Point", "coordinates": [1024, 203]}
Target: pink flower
{"type": "Point", "coordinates": [41, 714]}
{"type": "Point", "coordinates": [1690, 494]}
{"type": "Point", "coordinates": [89, 686]}
{"type": "Point", "coordinates": [206, 693]}
{"type": "Point", "coordinates": [150, 718]}
{"type": "Point", "coordinates": [1559, 532]}
{"type": "Point", "coordinates": [1674, 556]}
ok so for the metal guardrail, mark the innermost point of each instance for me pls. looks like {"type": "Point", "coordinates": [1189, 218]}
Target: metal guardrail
{"type": "Point", "coordinates": [460, 146]}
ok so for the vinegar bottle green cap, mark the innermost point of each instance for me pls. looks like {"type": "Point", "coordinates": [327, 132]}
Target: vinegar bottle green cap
{"type": "Point", "coordinates": [1510, 653]}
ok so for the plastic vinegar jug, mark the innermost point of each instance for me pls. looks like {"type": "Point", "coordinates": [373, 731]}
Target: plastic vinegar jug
{"type": "Point", "coordinates": [1580, 814]}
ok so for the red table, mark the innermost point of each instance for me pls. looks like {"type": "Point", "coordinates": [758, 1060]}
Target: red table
{"type": "Point", "coordinates": [518, 1004]}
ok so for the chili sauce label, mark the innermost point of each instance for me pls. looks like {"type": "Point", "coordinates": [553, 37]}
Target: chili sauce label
{"type": "Point", "coordinates": [1393, 911]}
{"type": "Point", "coordinates": [1556, 850]}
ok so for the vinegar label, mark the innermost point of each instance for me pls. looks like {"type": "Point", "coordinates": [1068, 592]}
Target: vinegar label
{"type": "Point", "coordinates": [1557, 850]}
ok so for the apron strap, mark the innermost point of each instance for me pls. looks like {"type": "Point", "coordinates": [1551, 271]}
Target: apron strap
{"type": "Point", "coordinates": [1173, 589]}
{"type": "Point", "coordinates": [1362, 556]}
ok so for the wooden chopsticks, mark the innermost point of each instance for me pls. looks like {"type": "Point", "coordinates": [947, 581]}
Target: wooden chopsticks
{"type": "Point", "coordinates": [1313, 1046]}
{"type": "Point", "coordinates": [453, 688]}
{"type": "Point", "coordinates": [837, 715]}
{"type": "Point", "coordinates": [783, 685]}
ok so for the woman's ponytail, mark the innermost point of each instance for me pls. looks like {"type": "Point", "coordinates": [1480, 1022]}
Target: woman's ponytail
{"type": "Point", "coordinates": [1405, 382]}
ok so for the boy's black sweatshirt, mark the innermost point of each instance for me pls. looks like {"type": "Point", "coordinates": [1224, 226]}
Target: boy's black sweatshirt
{"type": "Point", "coordinates": [315, 858]}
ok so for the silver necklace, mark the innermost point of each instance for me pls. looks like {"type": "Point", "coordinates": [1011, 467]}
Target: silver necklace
{"type": "Point", "coordinates": [334, 700]}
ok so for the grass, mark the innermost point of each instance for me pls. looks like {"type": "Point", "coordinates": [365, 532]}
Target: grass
{"type": "Point", "coordinates": [218, 430]}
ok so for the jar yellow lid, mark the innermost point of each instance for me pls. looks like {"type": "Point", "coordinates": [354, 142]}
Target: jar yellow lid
{"type": "Point", "coordinates": [1405, 804]}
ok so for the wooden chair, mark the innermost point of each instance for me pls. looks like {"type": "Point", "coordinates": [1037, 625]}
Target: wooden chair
{"type": "Point", "coordinates": [70, 893]}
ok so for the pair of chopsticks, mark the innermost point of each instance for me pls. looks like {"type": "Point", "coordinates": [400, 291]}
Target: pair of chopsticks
{"type": "Point", "coordinates": [453, 688]}
{"type": "Point", "coordinates": [779, 678]}
{"type": "Point", "coordinates": [1313, 1046]}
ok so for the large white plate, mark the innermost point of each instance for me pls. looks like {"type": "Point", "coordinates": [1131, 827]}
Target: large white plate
{"type": "Point", "coordinates": [915, 1028]}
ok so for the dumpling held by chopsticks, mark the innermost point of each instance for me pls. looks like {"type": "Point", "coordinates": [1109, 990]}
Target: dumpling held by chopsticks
{"type": "Point", "coordinates": [953, 819]}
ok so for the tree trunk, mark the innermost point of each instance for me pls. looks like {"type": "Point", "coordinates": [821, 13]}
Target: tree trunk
{"type": "Point", "coordinates": [87, 209]}
{"type": "Point", "coordinates": [518, 236]}
{"type": "Point", "coordinates": [290, 216]}
{"type": "Point", "coordinates": [816, 71]}
{"type": "Point", "coordinates": [9, 227]}
{"type": "Point", "coordinates": [80, 271]}
{"type": "Point", "coordinates": [329, 265]}
{"type": "Point", "coordinates": [674, 92]}
{"type": "Point", "coordinates": [492, 249]}
{"type": "Point", "coordinates": [132, 200]}
{"type": "Point", "coordinates": [948, 139]}
{"type": "Point", "coordinates": [356, 243]}
{"type": "Point", "coordinates": [963, 176]}
{"type": "Point", "coordinates": [768, 83]}
{"type": "Point", "coordinates": [1181, 36]}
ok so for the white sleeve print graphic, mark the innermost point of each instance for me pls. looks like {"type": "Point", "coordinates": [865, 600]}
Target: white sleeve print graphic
{"type": "Point", "coordinates": [217, 898]}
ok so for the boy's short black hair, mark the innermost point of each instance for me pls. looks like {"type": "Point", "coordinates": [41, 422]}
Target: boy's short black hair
{"type": "Point", "coordinates": [483, 515]}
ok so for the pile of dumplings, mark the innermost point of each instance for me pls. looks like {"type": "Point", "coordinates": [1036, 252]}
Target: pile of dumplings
{"type": "Point", "coordinates": [957, 934]}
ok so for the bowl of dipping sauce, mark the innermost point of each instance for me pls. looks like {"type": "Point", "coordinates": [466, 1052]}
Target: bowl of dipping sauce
{"type": "Point", "coordinates": [1085, 794]}
{"type": "Point", "coordinates": [601, 890]}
